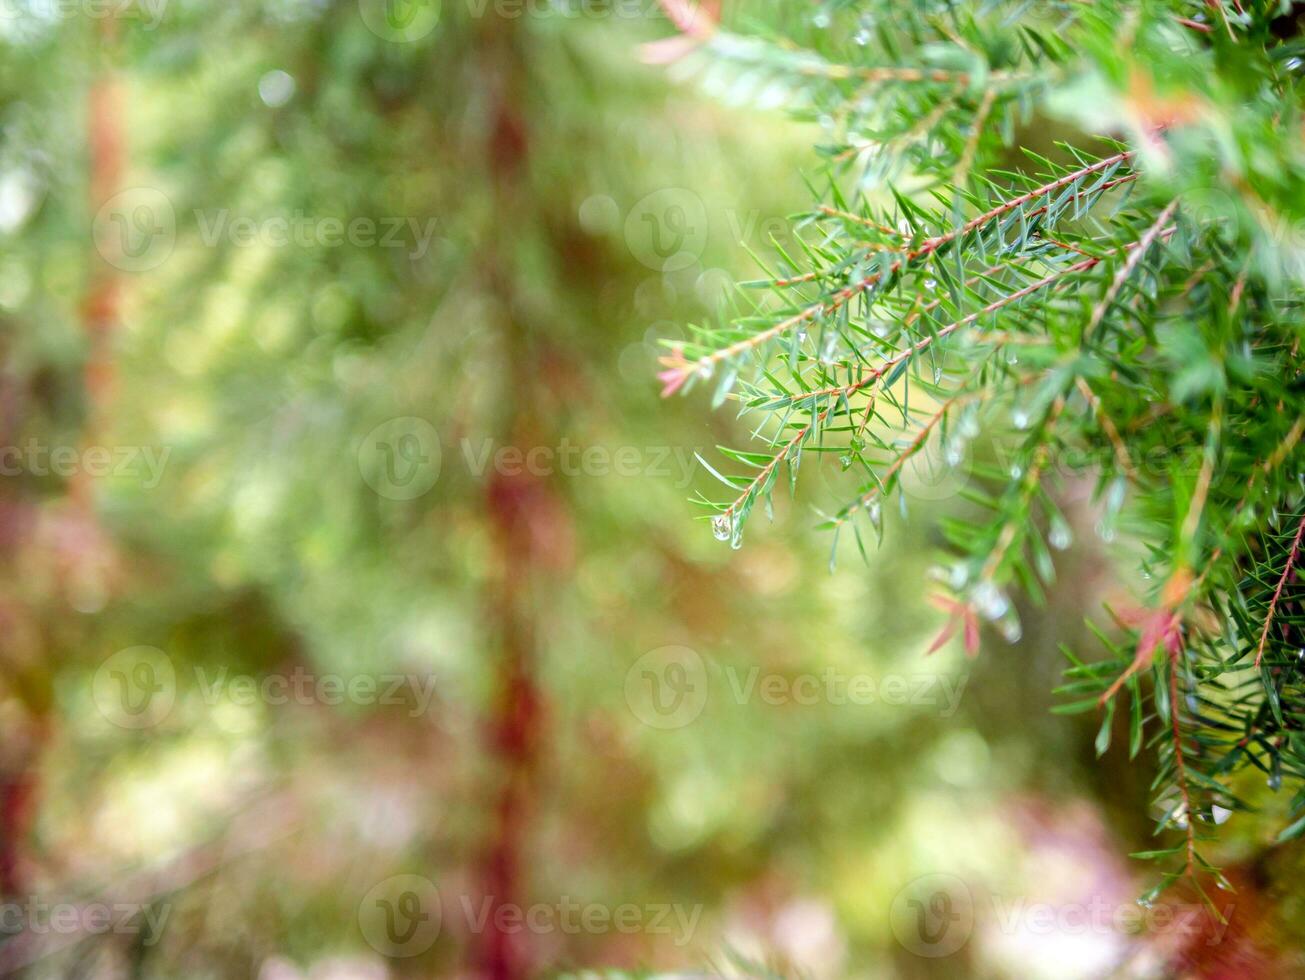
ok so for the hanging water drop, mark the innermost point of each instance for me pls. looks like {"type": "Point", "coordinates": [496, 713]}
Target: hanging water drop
{"type": "Point", "coordinates": [955, 452]}
{"type": "Point", "coordinates": [722, 527]}
{"type": "Point", "coordinates": [1106, 532]}
{"type": "Point", "coordinates": [1020, 418]}
{"type": "Point", "coordinates": [990, 601]}
{"type": "Point", "coordinates": [861, 37]}
{"type": "Point", "coordinates": [704, 369]}
{"type": "Point", "coordinates": [1115, 495]}
{"type": "Point", "coordinates": [876, 514]}
{"type": "Point", "coordinates": [937, 374]}
{"type": "Point", "coordinates": [1059, 534]}
{"type": "Point", "coordinates": [829, 347]}
{"type": "Point", "coordinates": [1016, 471]}
{"type": "Point", "coordinates": [820, 19]}
{"type": "Point", "coordinates": [1009, 627]}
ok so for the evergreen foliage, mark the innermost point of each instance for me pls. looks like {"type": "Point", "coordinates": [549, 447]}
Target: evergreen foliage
{"type": "Point", "coordinates": [1126, 293]}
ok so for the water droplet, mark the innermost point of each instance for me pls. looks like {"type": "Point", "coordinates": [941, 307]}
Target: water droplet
{"type": "Point", "coordinates": [821, 19]}
{"type": "Point", "coordinates": [845, 461]}
{"type": "Point", "coordinates": [829, 347]}
{"type": "Point", "coordinates": [969, 425]}
{"type": "Point", "coordinates": [1059, 533]}
{"type": "Point", "coordinates": [937, 374]}
{"type": "Point", "coordinates": [955, 452]}
{"type": "Point", "coordinates": [1012, 357]}
{"type": "Point", "coordinates": [861, 37]}
{"type": "Point", "coordinates": [1220, 814]}
{"type": "Point", "coordinates": [876, 514]}
{"type": "Point", "coordinates": [930, 283]}
{"type": "Point", "coordinates": [802, 335]}
{"type": "Point", "coordinates": [1115, 495]}
{"type": "Point", "coordinates": [722, 526]}
{"type": "Point", "coordinates": [1275, 781]}
{"type": "Point", "coordinates": [704, 369]}
{"type": "Point", "coordinates": [1016, 471]}
{"type": "Point", "coordinates": [990, 601]}
{"type": "Point", "coordinates": [1106, 532]}
{"type": "Point", "coordinates": [1020, 418]}
{"type": "Point", "coordinates": [1010, 628]}
{"type": "Point", "coordinates": [276, 88]}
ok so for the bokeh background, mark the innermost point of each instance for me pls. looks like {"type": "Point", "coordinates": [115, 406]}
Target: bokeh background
{"type": "Point", "coordinates": [356, 620]}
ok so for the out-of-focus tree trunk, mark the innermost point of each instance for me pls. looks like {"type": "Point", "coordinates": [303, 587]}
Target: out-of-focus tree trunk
{"type": "Point", "coordinates": [532, 533]}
